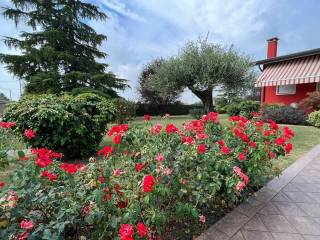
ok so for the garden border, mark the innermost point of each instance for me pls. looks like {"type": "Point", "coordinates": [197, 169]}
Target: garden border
{"type": "Point", "coordinates": [227, 227]}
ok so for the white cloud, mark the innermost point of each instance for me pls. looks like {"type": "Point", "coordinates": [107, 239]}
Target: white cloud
{"type": "Point", "coordinates": [121, 9]}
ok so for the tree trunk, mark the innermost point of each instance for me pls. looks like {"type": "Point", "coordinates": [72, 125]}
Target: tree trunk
{"type": "Point", "coordinates": [206, 99]}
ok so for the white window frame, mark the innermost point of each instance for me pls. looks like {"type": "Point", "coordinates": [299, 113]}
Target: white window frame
{"type": "Point", "coordinates": [289, 92]}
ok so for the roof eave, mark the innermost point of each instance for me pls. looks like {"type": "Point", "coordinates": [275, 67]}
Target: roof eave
{"type": "Point", "coordinates": [307, 53]}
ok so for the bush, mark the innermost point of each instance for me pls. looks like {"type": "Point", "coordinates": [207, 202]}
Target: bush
{"type": "Point", "coordinates": [314, 119]}
{"type": "Point", "coordinates": [220, 104]}
{"type": "Point", "coordinates": [284, 114]}
{"type": "Point", "coordinates": [244, 108]}
{"type": "Point", "coordinates": [162, 109]}
{"type": "Point", "coordinates": [312, 102]}
{"type": "Point", "coordinates": [196, 112]}
{"type": "Point", "coordinates": [126, 110]}
{"type": "Point", "coordinates": [159, 182]}
{"type": "Point", "coordinates": [71, 125]}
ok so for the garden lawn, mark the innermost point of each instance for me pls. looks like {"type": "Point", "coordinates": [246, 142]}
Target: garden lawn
{"type": "Point", "coordinates": [305, 139]}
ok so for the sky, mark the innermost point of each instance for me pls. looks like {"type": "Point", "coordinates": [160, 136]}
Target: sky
{"type": "Point", "coordinates": [141, 30]}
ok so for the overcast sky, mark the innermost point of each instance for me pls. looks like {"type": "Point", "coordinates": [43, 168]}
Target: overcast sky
{"type": "Point", "coordinates": [140, 30]}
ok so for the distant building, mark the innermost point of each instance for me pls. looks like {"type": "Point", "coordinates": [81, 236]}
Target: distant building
{"type": "Point", "coordinates": [287, 79]}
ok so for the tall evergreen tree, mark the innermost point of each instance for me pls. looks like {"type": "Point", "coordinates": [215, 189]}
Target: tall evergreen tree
{"type": "Point", "coordinates": [61, 52]}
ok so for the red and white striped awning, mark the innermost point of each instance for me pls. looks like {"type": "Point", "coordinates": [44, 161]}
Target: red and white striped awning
{"type": "Point", "coordinates": [295, 71]}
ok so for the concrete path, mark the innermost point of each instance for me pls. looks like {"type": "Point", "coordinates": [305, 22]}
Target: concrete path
{"type": "Point", "coordinates": [288, 208]}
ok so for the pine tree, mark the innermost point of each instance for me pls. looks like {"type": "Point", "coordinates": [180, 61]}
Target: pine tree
{"type": "Point", "coordinates": [60, 54]}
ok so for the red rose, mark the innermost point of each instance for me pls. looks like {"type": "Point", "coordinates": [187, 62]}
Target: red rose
{"type": "Point", "coordinates": [43, 161]}
{"type": "Point", "coordinates": [69, 167]}
{"type": "Point", "coordinates": [117, 139]}
{"type": "Point", "coordinates": [267, 133]}
{"type": "Point", "coordinates": [142, 230]}
{"type": "Point", "coordinates": [225, 150]}
{"type": "Point", "coordinates": [221, 142]}
{"type": "Point", "coordinates": [242, 157]}
{"type": "Point", "coordinates": [156, 128]}
{"type": "Point", "coordinates": [280, 141]}
{"type": "Point", "coordinates": [240, 186]}
{"type": "Point", "coordinates": [171, 128]}
{"type": "Point", "coordinates": [288, 148]}
{"type": "Point", "coordinates": [106, 151]}
{"type": "Point", "coordinates": [273, 125]}
{"type": "Point", "coordinates": [213, 117]}
{"type": "Point", "coordinates": [288, 133]}
{"type": "Point", "coordinates": [139, 166]}
{"type": "Point", "coordinates": [147, 117]}
{"type": "Point", "coordinates": [160, 157]}
{"type": "Point", "coordinates": [49, 175]}
{"type": "Point", "coordinates": [202, 148]}
{"type": "Point", "coordinates": [27, 224]}
{"type": "Point", "coordinates": [271, 155]}
{"type": "Point", "coordinates": [86, 210]}
{"type": "Point", "coordinates": [53, 177]}
{"type": "Point", "coordinates": [202, 136]}
{"type": "Point", "coordinates": [29, 133]}
{"type": "Point", "coordinates": [101, 179]}
{"type": "Point", "coordinates": [188, 140]}
{"type": "Point", "coordinates": [7, 124]}
{"type": "Point", "coordinates": [126, 231]}
{"type": "Point", "coordinates": [253, 144]}
{"type": "Point", "coordinates": [148, 183]}
{"type": "Point", "coordinates": [117, 172]}
{"type": "Point", "coordinates": [2, 184]}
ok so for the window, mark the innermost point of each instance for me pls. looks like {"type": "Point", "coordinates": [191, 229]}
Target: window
{"type": "Point", "coordinates": [318, 86]}
{"type": "Point", "coordinates": [286, 89]}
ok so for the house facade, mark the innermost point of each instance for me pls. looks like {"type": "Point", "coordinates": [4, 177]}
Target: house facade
{"type": "Point", "coordinates": [287, 79]}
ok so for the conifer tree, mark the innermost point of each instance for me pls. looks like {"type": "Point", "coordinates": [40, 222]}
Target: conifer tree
{"type": "Point", "coordinates": [60, 53]}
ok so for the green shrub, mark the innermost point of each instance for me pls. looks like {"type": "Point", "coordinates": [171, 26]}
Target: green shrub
{"type": "Point", "coordinates": [196, 112]}
{"type": "Point", "coordinates": [220, 104]}
{"type": "Point", "coordinates": [284, 114]}
{"type": "Point", "coordinates": [71, 125]}
{"type": "Point", "coordinates": [126, 110]}
{"type": "Point", "coordinates": [244, 108]}
{"type": "Point", "coordinates": [314, 119]}
{"type": "Point", "coordinates": [167, 178]}
{"type": "Point", "coordinates": [311, 102]}
{"type": "Point", "coordinates": [162, 109]}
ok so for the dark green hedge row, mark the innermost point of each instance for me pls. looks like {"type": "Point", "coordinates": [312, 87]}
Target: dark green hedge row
{"type": "Point", "coordinates": [161, 109]}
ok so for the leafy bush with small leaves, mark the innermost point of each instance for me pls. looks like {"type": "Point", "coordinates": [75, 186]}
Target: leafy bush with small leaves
{"type": "Point", "coordinates": [126, 110]}
{"type": "Point", "coordinates": [312, 102]}
{"type": "Point", "coordinates": [71, 125]}
{"type": "Point", "coordinates": [156, 182]}
{"type": "Point", "coordinates": [243, 108]}
{"type": "Point", "coordinates": [314, 119]}
{"type": "Point", "coordinates": [284, 114]}
{"type": "Point", "coordinates": [196, 112]}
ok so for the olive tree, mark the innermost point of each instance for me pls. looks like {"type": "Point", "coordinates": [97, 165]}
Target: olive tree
{"type": "Point", "coordinates": [201, 66]}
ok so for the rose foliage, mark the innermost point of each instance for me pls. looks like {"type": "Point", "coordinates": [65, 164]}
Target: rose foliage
{"type": "Point", "coordinates": [157, 182]}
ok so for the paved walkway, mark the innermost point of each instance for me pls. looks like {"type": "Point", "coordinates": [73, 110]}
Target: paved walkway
{"type": "Point", "coordinates": [288, 208]}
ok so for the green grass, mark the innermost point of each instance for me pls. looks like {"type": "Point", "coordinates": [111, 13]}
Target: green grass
{"type": "Point", "coordinates": [306, 137]}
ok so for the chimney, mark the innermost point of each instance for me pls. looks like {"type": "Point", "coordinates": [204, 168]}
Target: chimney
{"type": "Point", "coordinates": [272, 47]}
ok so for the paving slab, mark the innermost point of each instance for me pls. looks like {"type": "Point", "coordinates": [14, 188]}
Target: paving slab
{"type": "Point", "coordinates": [287, 208]}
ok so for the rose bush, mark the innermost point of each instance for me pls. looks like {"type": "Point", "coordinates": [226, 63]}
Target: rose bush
{"type": "Point", "coordinates": [156, 182]}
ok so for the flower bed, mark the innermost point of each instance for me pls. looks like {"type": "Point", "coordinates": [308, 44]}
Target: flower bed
{"type": "Point", "coordinates": [156, 182]}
